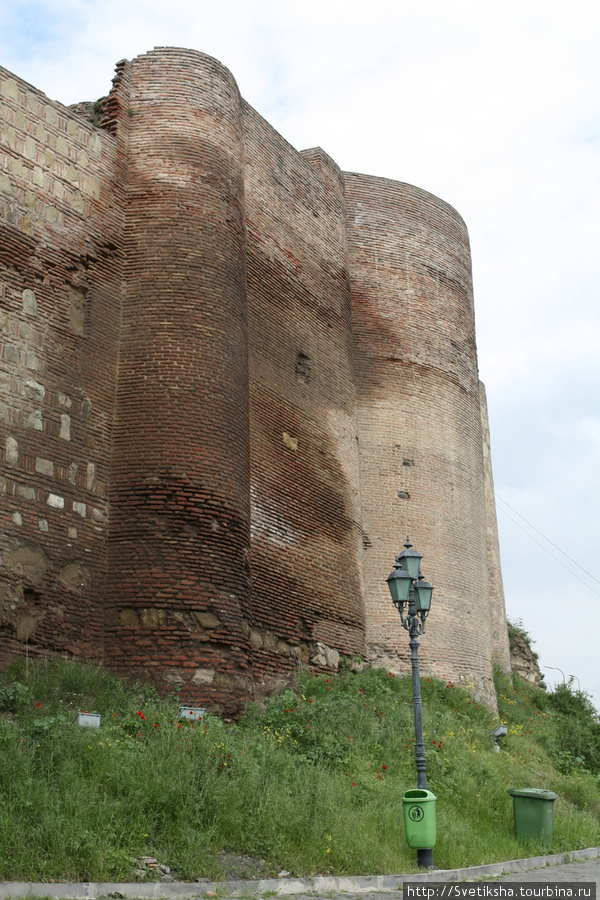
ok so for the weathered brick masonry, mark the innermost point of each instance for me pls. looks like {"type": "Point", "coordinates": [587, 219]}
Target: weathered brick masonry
{"type": "Point", "coordinates": [61, 215]}
{"type": "Point", "coordinates": [233, 378]}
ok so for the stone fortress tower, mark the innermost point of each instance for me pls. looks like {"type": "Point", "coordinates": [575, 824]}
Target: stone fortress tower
{"type": "Point", "coordinates": [232, 379]}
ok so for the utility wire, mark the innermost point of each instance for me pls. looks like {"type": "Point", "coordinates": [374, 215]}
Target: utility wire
{"type": "Point", "coordinates": [530, 536]}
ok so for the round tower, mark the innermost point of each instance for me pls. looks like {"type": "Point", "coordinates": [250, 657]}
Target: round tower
{"type": "Point", "coordinates": [179, 539]}
{"type": "Point", "coordinates": [422, 470]}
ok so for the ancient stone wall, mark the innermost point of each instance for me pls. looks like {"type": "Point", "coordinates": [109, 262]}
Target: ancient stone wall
{"type": "Point", "coordinates": [60, 284]}
{"type": "Point", "coordinates": [234, 378]}
{"type": "Point", "coordinates": [304, 451]}
{"type": "Point", "coordinates": [178, 599]}
{"type": "Point", "coordinates": [419, 420]}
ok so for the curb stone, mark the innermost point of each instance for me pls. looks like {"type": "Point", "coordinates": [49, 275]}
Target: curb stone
{"type": "Point", "coordinates": [322, 884]}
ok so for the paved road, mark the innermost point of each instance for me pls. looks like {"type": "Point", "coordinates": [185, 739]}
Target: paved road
{"type": "Point", "coordinates": [582, 870]}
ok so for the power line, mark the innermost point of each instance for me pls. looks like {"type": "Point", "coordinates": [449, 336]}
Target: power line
{"type": "Point", "coordinates": [545, 549]}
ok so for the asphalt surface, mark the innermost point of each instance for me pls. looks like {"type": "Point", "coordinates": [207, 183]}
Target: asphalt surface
{"type": "Point", "coordinates": [577, 866]}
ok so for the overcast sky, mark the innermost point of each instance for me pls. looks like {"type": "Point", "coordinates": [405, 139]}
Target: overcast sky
{"type": "Point", "coordinates": [492, 106]}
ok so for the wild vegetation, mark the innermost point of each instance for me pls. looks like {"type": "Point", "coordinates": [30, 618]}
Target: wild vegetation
{"type": "Point", "coordinates": [310, 782]}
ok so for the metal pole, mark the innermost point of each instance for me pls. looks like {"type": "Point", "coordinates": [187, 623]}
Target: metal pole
{"type": "Point", "coordinates": [417, 706]}
{"type": "Point", "coordinates": [424, 857]}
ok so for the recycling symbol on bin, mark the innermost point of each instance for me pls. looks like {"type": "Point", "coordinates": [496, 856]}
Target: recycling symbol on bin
{"type": "Point", "coordinates": [416, 813]}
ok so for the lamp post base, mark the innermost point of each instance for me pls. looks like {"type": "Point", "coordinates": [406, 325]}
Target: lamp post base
{"type": "Point", "coordinates": [425, 859]}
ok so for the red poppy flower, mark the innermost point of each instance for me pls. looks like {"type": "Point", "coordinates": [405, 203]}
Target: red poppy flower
{"type": "Point", "coordinates": [384, 767]}
{"type": "Point", "coordinates": [39, 704]}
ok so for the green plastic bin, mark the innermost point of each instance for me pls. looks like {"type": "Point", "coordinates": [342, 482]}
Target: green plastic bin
{"type": "Point", "coordinates": [419, 818]}
{"type": "Point", "coordinates": [534, 812]}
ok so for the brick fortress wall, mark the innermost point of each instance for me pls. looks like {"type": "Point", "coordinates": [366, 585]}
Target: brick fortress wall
{"type": "Point", "coordinates": [178, 598]}
{"type": "Point", "coordinates": [234, 378]}
{"type": "Point", "coordinates": [420, 421]}
{"type": "Point", "coordinates": [306, 531]}
{"type": "Point", "coordinates": [61, 185]}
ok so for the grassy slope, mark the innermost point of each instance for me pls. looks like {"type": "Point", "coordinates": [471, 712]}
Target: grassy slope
{"type": "Point", "coordinates": [313, 783]}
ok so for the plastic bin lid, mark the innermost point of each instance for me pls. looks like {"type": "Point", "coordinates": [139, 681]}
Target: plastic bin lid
{"type": "Point", "coordinates": [534, 793]}
{"type": "Point", "coordinates": [418, 794]}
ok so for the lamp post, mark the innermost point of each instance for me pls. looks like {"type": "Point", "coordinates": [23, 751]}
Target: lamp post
{"type": "Point", "coordinates": [411, 595]}
{"type": "Point", "coordinates": [556, 669]}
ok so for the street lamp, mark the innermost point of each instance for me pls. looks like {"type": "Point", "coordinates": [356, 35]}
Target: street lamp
{"type": "Point", "coordinates": [556, 669]}
{"type": "Point", "coordinates": [411, 595]}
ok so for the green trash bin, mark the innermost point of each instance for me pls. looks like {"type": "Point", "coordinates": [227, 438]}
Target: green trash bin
{"type": "Point", "coordinates": [534, 812]}
{"type": "Point", "coordinates": [419, 818]}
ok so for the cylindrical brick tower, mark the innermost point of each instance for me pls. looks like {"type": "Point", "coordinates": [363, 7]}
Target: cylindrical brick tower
{"type": "Point", "coordinates": [420, 432]}
{"type": "Point", "coordinates": [180, 500]}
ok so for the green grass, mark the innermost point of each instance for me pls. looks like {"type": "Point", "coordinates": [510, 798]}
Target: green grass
{"type": "Point", "coordinates": [310, 783]}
